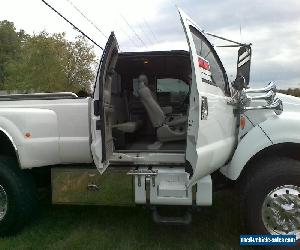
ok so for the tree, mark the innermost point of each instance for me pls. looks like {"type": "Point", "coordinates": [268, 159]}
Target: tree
{"type": "Point", "coordinates": [80, 63]}
{"type": "Point", "coordinates": [10, 44]}
{"type": "Point", "coordinates": [47, 63]}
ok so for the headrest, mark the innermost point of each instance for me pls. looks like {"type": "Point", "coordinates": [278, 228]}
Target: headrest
{"type": "Point", "coordinates": [143, 80]}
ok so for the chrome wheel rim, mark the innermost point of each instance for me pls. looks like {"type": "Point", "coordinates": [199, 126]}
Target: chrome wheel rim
{"type": "Point", "coordinates": [281, 210]}
{"type": "Point", "coordinates": [3, 202]}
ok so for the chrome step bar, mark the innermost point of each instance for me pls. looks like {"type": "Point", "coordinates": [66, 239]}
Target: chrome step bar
{"type": "Point", "coordinates": [148, 173]}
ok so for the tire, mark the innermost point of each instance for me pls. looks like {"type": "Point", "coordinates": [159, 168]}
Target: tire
{"type": "Point", "coordinates": [261, 188]}
{"type": "Point", "coordinates": [17, 197]}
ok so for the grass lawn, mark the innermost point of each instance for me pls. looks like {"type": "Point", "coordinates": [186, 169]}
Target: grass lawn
{"type": "Point", "coordinates": [92, 227]}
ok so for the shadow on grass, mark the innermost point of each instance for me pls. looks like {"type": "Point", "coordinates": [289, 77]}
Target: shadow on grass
{"type": "Point", "coordinates": [96, 227]}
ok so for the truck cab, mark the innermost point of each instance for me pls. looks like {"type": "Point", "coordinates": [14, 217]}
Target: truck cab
{"type": "Point", "coordinates": [168, 114]}
{"type": "Point", "coordinates": [158, 126]}
{"type": "Point", "coordinates": [163, 107]}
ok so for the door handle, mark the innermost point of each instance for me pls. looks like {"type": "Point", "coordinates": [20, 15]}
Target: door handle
{"type": "Point", "coordinates": [204, 108]}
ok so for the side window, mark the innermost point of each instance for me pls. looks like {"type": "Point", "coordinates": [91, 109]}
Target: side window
{"type": "Point", "coordinates": [206, 52]}
{"type": "Point", "coordinates": [176, 89]}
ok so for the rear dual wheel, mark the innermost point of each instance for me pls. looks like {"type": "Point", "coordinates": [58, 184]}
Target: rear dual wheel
{"type": "Point", "coordinates": [17, 197]}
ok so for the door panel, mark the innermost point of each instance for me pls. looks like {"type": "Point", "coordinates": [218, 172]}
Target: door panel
{"type": "Point", "coordinates": [101, 111]}
{"type": "Point", "coordinates": [210, 135]}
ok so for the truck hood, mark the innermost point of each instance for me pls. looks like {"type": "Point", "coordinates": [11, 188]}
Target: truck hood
{"type": "Point", "coordinates": [290, 104]}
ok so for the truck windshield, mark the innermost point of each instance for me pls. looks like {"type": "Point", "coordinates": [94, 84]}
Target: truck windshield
{"type": "Point", "coordinates": [206, 51]}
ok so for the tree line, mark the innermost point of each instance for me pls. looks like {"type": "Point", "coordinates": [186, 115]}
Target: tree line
{"type": "Point", "coordinates": [289, 91]}
{"type": "Point", "coordinates": [44, 62]}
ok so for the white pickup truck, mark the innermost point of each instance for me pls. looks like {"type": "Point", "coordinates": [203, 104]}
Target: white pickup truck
{"type": "Point", "coordinates": [159, 126]}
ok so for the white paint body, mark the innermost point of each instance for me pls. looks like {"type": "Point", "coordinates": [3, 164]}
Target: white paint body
{"type": "Point", "coordinates": [59, 131]}
{"type": "Point", "coordinates": [210, 141]}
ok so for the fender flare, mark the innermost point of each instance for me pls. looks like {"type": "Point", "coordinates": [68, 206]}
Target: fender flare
{"type": "Point", "coordinates": [14, 135]}
{"type": "Point", "coordinates": [10, 138]}
{"type": "Point", "coordinates": [273, 131]}
{"type": "Point", "coordinates": [42, 149]}
{"type": "Point", "coordinates": [252, 143]}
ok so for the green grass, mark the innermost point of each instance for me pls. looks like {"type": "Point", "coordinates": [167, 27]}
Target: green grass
{"type": "Point", "coordinates": [92, 227]}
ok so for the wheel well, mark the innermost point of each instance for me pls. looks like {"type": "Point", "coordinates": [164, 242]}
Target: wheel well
{"type": "Point", "coordinates": [41, 176]}
{"type": "Point", "coordinates": [290, 150]}
{"type": "Point", "coordinates": [6, 146]}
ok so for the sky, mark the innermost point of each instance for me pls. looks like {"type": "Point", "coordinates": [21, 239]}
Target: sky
{"type": "Point", "coordinates": [273, 27]}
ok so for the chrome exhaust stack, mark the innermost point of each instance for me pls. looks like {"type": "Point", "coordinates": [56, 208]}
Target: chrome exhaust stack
{"type": "Point", "coordinates": [268, 97]}
{"type": "Point", "coordinates": [276, 105]}
{"type": "Point", "coordinates": [269, 94]}
{"type": "Point", "coordinates": [270, 87]}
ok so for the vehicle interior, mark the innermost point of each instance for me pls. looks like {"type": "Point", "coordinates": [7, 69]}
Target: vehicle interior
{"type": "Point", "coordinates": [150, 100]}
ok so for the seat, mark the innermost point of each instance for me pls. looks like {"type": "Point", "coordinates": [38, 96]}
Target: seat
{"type": "Point", "coordinates": [121, 117]}
{"type": "Point", "coordinates": [128, 127]}
{"type": "Point", "coordinates": [169, 128]}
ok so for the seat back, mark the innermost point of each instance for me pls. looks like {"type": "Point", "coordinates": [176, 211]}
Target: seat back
{"type": "Point", "coordinates": [155, 113]}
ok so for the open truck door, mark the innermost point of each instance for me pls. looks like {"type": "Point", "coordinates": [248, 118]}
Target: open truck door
{"type": "Point", "coordinates": [101, 110]}
{"type": "Point", "coordinates": [211, 133]}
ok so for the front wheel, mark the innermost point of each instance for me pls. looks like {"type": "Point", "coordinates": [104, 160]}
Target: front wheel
{"type": "Point", "coordinates": [270, 197]}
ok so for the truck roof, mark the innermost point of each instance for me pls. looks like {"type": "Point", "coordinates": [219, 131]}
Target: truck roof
{"type": "Point", "coordinates": [173, 63]}
{"type": "Point", "coordinates": [155, 53]}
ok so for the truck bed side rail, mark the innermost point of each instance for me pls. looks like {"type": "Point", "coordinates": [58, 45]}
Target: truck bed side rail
{"type": "Point", "coordinates": [38, 96]}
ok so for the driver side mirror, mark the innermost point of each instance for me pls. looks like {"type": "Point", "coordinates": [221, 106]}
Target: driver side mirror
{"type": "Point", "coordinates": [243, 68]}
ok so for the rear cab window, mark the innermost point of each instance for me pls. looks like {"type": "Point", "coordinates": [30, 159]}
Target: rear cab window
{"type": "Point", "coordinates": [172, 92]}
{"type": "Point", "coordinates": [176, 88]}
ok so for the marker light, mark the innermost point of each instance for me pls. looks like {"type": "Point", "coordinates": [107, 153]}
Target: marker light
{"type": "Point", "coordinates": [27, 135]}
{"type": "Point", "coordinates": [242, 122]}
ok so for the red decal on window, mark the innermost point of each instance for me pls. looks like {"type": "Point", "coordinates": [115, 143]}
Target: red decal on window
{"type": "Point", "coordinates": [203, 63]}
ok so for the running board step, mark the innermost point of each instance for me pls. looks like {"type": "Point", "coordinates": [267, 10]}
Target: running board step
{"type": "Point", "coordinates": [186, 219]}
{"type": "Point", "coordinates": [160, 186]}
